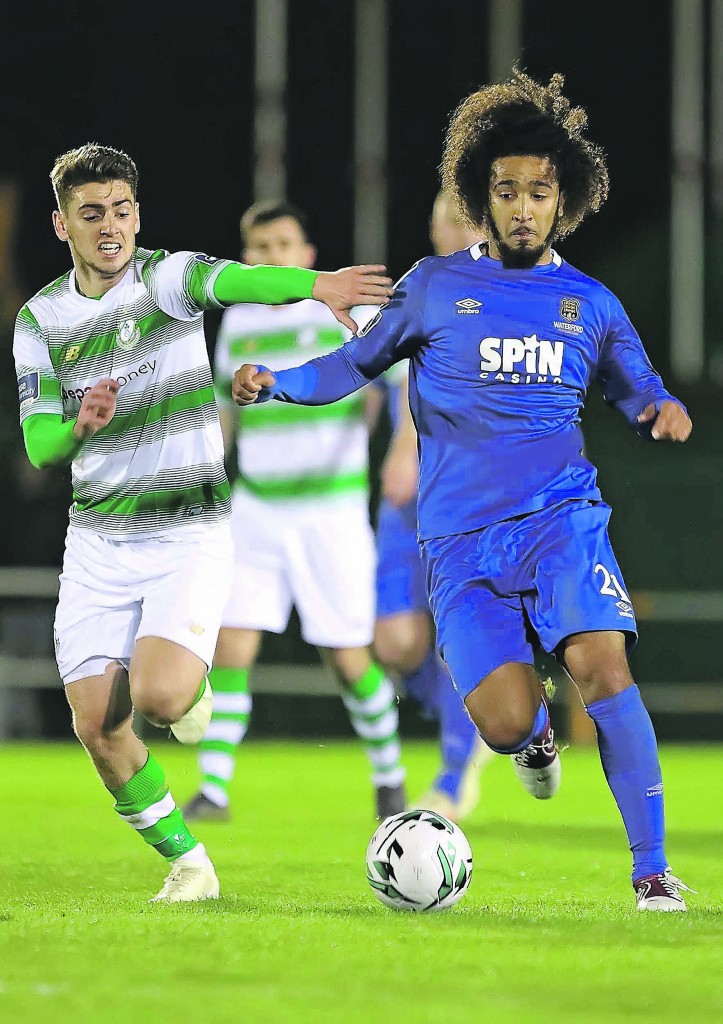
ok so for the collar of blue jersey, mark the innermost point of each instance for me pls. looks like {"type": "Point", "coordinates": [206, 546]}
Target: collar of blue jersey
{"type": "Point", "coordinates": [480, 249]}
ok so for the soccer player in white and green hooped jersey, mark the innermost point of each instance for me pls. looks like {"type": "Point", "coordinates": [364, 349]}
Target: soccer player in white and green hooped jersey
{"type": "Point", "coordinates": [114, 379]}
{"type": "Point", "coordinates": [300, 525]}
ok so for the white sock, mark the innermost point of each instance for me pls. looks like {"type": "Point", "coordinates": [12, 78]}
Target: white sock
{"type": "Point", "coordinates": [196, 856]}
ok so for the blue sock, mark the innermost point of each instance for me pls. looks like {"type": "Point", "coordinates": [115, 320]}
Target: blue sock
{"type": "Point", "coordinates": [458, 735]}
{"type": "Point", "coordinates": [629, 755]}
{"type": "Point", "coordinates": [423, 684]}
{"type": "Point", "coordinates": [539, 727]}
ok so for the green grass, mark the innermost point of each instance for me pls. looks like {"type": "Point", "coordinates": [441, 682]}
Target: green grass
{"type": "Point", "coordinates": [547, 930]}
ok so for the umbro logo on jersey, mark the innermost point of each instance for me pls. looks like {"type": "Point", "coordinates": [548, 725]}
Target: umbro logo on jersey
{"type": "Point", "coordinates": [128, 335]}
{"type": "Point", "coordinates": [468, 306]}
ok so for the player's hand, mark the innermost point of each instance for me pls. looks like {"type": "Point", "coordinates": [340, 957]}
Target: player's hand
{"type": "Point", "coordinates": [247, 382]}
{"type": "Point", "coordinates": [400, 477]}
{"type": "Point", "coordinates": [353, 286]}
{"type": "Point", "coordinates": [672, 424]}
{"type": "Point", "coordinates": [97, 408]}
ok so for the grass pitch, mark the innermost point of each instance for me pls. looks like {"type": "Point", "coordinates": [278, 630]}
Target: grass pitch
{"type": "Point", "coordinates": [548, 928]}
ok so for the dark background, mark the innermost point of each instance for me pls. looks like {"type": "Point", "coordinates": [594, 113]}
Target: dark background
{"type": "Point", "coordinates": [173, 85]}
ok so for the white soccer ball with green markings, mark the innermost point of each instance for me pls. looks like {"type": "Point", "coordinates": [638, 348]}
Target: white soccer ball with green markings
{"type": "Point", "coordinates": [418, 860]}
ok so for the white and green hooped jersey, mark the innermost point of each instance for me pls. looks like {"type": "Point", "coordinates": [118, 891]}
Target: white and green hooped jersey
{"type": "Point", "coordinates": [292, 453]}
{"type": "Point", "coordinates": [158, 465]}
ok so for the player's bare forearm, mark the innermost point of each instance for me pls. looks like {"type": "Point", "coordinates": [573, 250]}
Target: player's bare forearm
{"type": "Point", "coordinates": [400, 469]}
{"type": "Point", "coordinates": [670, 423]}
{"type": "Point", "coordinates": [353, 286]}
{"type": "Point", "coordinates": [228, 418]}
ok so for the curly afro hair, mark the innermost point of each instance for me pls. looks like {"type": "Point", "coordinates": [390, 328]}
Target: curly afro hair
{"type": "Point", "coordinates": [521, 117]}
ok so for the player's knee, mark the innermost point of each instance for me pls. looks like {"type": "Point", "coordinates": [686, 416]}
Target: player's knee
{"type": "Point", "coordinates": [597, 680]}
{"type": "Point", "coordinates": [400, 649]}
{"type": "Point", "coordinates": [503, 729]}
{"type": "Point", "coordinates": [161, 705]}
{"type": "Point", "coordinates": [99, 740]}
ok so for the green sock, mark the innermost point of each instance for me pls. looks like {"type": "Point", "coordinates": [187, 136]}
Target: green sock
{"type": "Point", "coordinates": [229, 722]}
{"type": "Point", "coordinates": [146, 804]}
{"type": "Point", "coordinates": [372, 706]}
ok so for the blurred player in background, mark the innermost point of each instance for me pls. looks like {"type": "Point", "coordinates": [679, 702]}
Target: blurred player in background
{"type": "Point", "coordinates": [503, 341]}
{"type": "Point", "coordinates": [300, 525]}
{"type": "Point", "coordinates": [404, 633]}
{"type": "Point", "coordinates": [114, 379]}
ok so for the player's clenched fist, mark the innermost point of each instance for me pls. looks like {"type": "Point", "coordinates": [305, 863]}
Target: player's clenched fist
{"type": "Point", "coordinates": [97, 408]}
{"type": "Point", "coordinates": [353, 286]}
{"type": "Point", "coordinates": [672, 424]}
{"type": "Point", "coordinates": [247, 382]}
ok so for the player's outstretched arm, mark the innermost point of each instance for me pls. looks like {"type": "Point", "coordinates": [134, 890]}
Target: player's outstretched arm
{"type": "Point", "coordinates": [395, 333]}
{"type": "Point", "coordinates": [670, 421]}
{"type": "Point", "coordinates": [339, 290]}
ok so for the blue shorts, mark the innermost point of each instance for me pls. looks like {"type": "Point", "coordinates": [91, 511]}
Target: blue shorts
{"type": "Point", "coordinates": [544, 575]}
{"type": "Point", "coordinates": [400, 574]}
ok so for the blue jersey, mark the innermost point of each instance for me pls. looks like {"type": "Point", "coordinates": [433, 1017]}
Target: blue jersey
{"type": "Point", "coordinates": [500, 362]}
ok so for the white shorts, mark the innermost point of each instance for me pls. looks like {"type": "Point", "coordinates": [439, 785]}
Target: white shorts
{"type": "Point", "coordinates": [320, 558]}
{"type": "Point", "coordinates": [114, 592]}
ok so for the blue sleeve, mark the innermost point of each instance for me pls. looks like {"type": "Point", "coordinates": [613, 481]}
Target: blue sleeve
{"type": "Point", "coordinates": [624, 372]}
{"type": "Point", "coordinates": [395, 333]}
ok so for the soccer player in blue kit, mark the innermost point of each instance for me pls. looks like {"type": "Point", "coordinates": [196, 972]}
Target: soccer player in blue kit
{"type": "Point", "coordinates": [503, 341]}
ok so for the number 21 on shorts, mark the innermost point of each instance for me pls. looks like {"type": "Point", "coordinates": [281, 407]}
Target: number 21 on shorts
{"type": "Point", "coordinates": [611, 586]}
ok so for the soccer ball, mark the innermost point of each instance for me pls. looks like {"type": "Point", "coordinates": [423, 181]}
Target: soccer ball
{"type": "Point", "coordinates": [418, 860]}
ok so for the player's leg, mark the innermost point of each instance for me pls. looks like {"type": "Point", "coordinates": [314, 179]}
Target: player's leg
{"type": "Point", "coordinates": [508, 707]}
{"type": "Point", "coordinates": [182, 605]}
{"type": "Point", "coordinates": [371, 703]}
{"type": "Point", "coordinates": [455, 791]}
{"type": "Point", "coordinates": [482, 636]}
{"type": "Point", "coordinates": [111, 593]}
{"type": "Point", "coordinates": [403, 637]}
{"type": "Point", "coordinates": [583, 611]}
{"type": "Point", "coordinates": [101, 707]}
{"type": "Point", "coordinates": [629, 754]}
{"type": "Point", "coordinates": [332, 565]}
{"type": "Point", "coordinates": [236, 653]}
{"type": "Point", "coordinates": [259, 601]}
{"type": "Point", "coordinates": [404, 642]}
{"type": "Point", "coordinates": [168, 685]}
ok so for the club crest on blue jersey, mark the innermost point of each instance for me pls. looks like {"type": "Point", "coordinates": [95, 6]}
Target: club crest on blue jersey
{"type": "Point", "coordinates": [529, 360]}
{"type": "Point", "coordinates": [570, 309]}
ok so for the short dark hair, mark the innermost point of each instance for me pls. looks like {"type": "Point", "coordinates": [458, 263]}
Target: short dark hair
{"type": "Point", "coordinates": [272, 209]}
{"type": "Point", "coordinates": [89, 163]}
{"type": "Point", "coordinates": [521, 117]}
